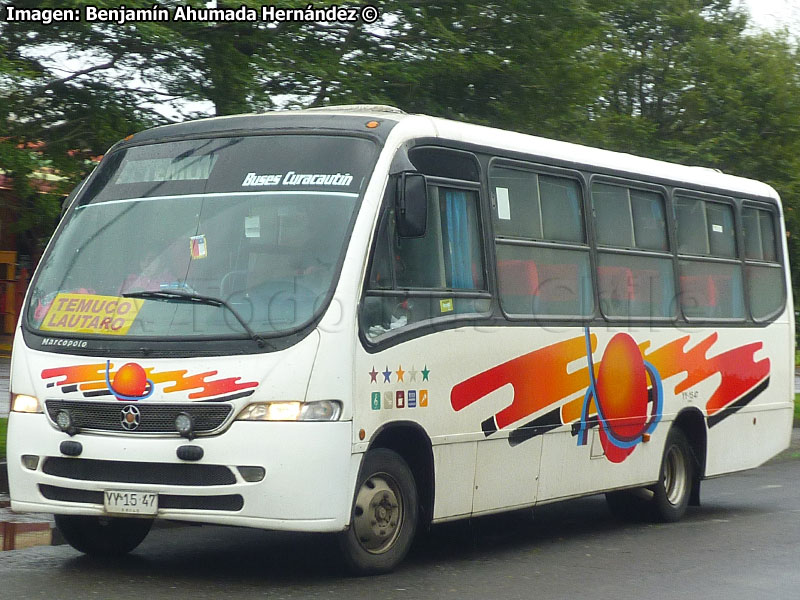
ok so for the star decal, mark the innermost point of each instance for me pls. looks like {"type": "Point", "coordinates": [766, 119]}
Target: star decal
{"type": "Point", "coordinates": [400, 373]}
{"type": "Point", "coordinates": [425, 372]}
{"type": "Point", "coordinates": [412, 374]}
{"type": "Point", "coordinates": [373, 375]}
{"type": "Point", "coordinates": [387, 375]}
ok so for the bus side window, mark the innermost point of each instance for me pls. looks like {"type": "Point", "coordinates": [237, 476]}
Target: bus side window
{"type": "Point", "coordinates": [766, 288]}
{"type": "Point", "coordinates": [542, 254]}
{"type": "Point", "coordinates": [447, 262]}
{"type": "Point", "coordinates": [709, 289]}
{"type": "Point", "coordinates": [634, 267]}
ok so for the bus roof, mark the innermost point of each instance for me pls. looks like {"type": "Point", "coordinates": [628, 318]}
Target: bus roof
{"type": "Point", "coordinates": [408, 126]}
{"type": "Point", "coordinates": [583, 157]}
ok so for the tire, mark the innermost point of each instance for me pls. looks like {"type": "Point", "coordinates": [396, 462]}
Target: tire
{"type": "Point", "coordinates": [672, 492]}
{"type": "Point", "coordinates": [103, 536]}
{"type": "Point", "coordinates": [384, 515]}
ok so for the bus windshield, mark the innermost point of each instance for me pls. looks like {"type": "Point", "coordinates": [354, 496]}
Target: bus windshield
{"type": "Point", "coordinates": [258, 222]}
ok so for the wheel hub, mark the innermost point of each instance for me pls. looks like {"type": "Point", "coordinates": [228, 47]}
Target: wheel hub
{"type": "Point", "coordinates": [378, 513]}
{"type": "Point", "coordinates": [675, 481]}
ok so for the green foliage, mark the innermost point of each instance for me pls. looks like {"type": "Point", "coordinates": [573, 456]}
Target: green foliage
{"type": "Point", "coordinates": [797, 410]}
{"type": "Point", "coordinates": [51, 120]}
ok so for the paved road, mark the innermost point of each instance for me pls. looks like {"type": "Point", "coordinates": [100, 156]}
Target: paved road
{"type": "Point", "coordinates": [743, 543]}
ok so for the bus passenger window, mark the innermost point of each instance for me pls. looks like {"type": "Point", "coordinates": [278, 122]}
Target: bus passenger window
{"type": "Point", "coordinates": [711, 283]}
{"type": "Point", "coordinates": [705, 228]}
{"type": "Point", "coordinates": [634, 270]}
{"type": "Point", "coordinates": [542, 255]}
{"type": "Point", "coordinates": [759, 235]}
{"type": "Point", "coordinates": [766, 287]}
{"type": "Point", "coordinates": [517, 212]}
{"type": "Point", "coordinates": [613, 215]}
{"type": "Point", "coordinates": [562, 218]}
{"type": "Point", "coordinates": [649, 220]}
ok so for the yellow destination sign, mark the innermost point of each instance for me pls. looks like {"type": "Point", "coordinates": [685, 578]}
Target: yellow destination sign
{"type": "Point", "coordinates": [89, 313]}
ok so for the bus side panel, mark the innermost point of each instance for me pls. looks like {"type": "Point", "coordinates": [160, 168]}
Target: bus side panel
{"type": "Point", "coordinates": [514, 470]}
{"type": "Point", "coordinates": [748, 439]}
{"type": "Point", "coordinates": [454, 466]}
{"type": "Point", "coordinates": [762, 425]}
{"type": "Point", "coordinates": [570, 470]}
{"type": "Point", "coordinates": [525, 392]}
{"type": "Point", "coordinates": [412, 383]}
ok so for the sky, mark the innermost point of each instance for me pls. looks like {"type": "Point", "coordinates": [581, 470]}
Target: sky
{"type": "Point", "coordinates": [775, 14]}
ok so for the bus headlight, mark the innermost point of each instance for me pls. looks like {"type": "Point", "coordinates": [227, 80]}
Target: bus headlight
{"type": "Point", "coordinates": [323, 410]}
{"type": "Point", "coordinates": [25, 404]}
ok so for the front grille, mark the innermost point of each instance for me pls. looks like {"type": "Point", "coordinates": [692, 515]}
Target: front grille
{"type": "Point", "coordinates": [52, 492]}
{"type": "Point", "coordinates": [153, 417]}
{"type": "Point", "coordinates": [114, 471]}
{"type": "Point", "coordinates": [229, 502]}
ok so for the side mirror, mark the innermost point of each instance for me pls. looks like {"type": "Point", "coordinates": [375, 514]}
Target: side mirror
{"type": "Point", "coordinates": [411, 209]}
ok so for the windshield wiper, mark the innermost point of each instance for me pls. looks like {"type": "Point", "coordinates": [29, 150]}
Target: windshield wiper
{"type": "Point", "coordinates": [192, 298]}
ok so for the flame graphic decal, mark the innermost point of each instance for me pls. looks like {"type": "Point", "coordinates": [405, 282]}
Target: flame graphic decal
{"type": "Point", "coordinates": [740, 372]}
{"type": "Point", "coordinates": [92, 381]}
{"type": "Point", "coordinates": [542, 386]}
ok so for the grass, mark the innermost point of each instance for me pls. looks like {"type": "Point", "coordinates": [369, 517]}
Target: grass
{"type": "Point", "coordinates": [4, 426]}
{"type": "Point", "coordinates": [797, 410]}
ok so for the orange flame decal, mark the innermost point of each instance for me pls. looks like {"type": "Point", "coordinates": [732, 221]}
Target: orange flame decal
{"type": "Point", "coordinates": [739, 370]}
{"type": "Point", "coordinates": [539, 379]}
{"type": "Point", "coordinates": [76, 375]}
{"type": "Point", "coordinates": [93, 377]}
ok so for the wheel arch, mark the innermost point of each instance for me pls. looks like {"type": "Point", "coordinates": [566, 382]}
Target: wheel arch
{"type": "Point", "coordinates": [412, 443]}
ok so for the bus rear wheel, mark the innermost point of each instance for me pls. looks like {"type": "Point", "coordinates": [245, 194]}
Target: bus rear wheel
{"type": "Point", "coordinates": [384, 515]}
{"type": "Point", "coordinates": [103, 536]}
{"type": "Point", "coordinates": [667, 500]}
{"type": "Point", "coordinates": [671, 493]}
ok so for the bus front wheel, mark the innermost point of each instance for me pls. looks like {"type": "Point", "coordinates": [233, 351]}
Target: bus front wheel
{"type": "Point", "coordinates": [103, 536]}
{"type": "Point", "coordinates": [384, 515]}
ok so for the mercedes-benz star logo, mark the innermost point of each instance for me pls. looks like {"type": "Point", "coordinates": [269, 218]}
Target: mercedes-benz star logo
{"type": "Point", "coordinates": [130, 417]}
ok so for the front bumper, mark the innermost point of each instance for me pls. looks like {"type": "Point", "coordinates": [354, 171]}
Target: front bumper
{"type": "Point", "coordinates": [308, 486]}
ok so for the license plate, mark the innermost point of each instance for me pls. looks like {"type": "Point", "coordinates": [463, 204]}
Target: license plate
{"type": "Point", "coordinates": [130, 503]}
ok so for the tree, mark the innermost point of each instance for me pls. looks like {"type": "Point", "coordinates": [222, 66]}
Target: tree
{"type": "Point", "coordinates": [514, 64]}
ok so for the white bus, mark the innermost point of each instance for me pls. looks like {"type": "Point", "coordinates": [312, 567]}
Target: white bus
{"type": "Point", "coordinates": [359, 321]}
